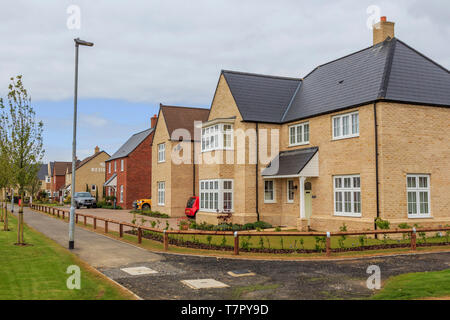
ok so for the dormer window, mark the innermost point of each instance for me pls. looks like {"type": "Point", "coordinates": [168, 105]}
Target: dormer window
{"type": "Point", "coordinates": [217, 137]}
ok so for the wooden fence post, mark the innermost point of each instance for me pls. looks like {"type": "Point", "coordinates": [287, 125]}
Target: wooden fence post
{"type": "Point", "coordinates": [236, 243]}
{"type": "Point", "coordinates": [85, 222]}
{"type": "Point", "coordinates": [413, 239]}
{"type": "Point", "coordinates": [120, 230]}
{"type": "Point", "coordinates": [328, 244]}
{"type": "Point", "coordinates": [76, 218]}
{"type": "Point", "coordinates": [63, 215]}
{"type": "Point", "coordinates": [95, 223]}
{"type": "Point", "coordinates": [139, 235]}
{"type": "Point", "coordinates": [165, 240]}
{"type": "Point", "coordinates": [57, 211]}
{"type": "Point", "coordinates": [106, 226]}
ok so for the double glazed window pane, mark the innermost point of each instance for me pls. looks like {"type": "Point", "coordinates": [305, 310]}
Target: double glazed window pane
{"type": "Point", "coordinates": [412, 203]}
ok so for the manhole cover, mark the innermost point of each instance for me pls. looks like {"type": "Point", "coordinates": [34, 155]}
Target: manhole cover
{"type": "Point", "coordinates": [240, 273]}
{"type": "Point", "coordinates": [204, 284]}
{"type": "Point", "coordinates": [137, 271]}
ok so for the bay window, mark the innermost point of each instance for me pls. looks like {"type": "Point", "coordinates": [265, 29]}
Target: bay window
{"type": "Point", "coordinates": [346, 126]}
{"type": "Point", "coordinates": [418, 190]}
{"type": "Point", "coordinates": [347, 195]}
{"type": "Point", "coordinates": [216, 195]}
{"type": "Point", "coordinates": [217, 137]}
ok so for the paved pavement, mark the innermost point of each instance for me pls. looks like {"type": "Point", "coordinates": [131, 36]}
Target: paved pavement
{"type": "Point", "coordinates": [343, 279]}
{"type": "Point", "coordinates": [95, 249]}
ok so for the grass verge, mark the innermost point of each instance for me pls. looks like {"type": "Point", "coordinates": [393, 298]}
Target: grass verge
{"type": "Point", "coordinates": [416, 286]}
{"type": "Point", "coordinates": [38, 271]}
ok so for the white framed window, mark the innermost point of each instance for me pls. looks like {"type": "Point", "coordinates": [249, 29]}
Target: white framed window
{"type": "Point", "coordinates": [290, 191]}
{"type": "Point", "coordinates": [346, 125]}
{"type": "Point", "coordinates": [121, 194]}
{"type": "Point", "coordinates": [161, 152]}
{"type": "Point", "coordinates": [115, 166]}
{"type": "Point", "coordinates": [109, 192]}
{"type": "Point", "coordinates": [418, 195]}
{"type": "Point", "coordinates": [269, 191]}
{"type": "Point", "coordinates": [217, 137]}
{"type": "Point", "coordinates": [109, 167]}
{"type": "Point", "coordinates": [161, 193]}
{"type": "Point", "coordinates": [216, 195]}
{"type": "Point", "coordinates": [93, 187]}
{"type": "Point", "coordinates": [299, 134]}
{"type": "Point", "coordinates": [48, 179]}
{"type": "Point", "coordinates": [122, 164]}
{"type": "Point", "coordinates": [347, 195]}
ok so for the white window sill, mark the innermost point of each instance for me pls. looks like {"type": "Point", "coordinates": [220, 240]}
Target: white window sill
{"type": "Point", "coordinates": [161, 204]}
{"type": "Point", "coordinates": [346, 137]}
{"type": "Point", "coordinates": [417, 216]}
{"type": "Point", "coordinates": [289, 202]}
{"type": "Point", "coordinates": [221, 149]}
{"type": "Point", "coordinates": [299, 144]}
{"type": "Point", "coordinates": [161, 161]}
{"type": "Point", "coordinates": [270, 201]}
{"type": "Point", "coordinates": [349, 215]}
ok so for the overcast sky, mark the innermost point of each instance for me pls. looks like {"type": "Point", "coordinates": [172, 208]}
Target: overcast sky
{"type": "Point", "coordinates": [147, 52]}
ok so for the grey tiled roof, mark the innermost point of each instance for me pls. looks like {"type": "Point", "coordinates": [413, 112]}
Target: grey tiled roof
{"type": "Point", "coordinates": [290, 162]}
{"type": "Point", "coordinates": [390, 70]}
{"type": "Point", "coordinates": [43, 171]}
{"type": "Point", "coordinates": [131, 144]}
{"type": "Point", "coordinates": [259, 97]}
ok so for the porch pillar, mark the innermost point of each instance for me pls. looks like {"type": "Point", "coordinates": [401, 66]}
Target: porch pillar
{"type": "Point", "coordinates": [302, 197]}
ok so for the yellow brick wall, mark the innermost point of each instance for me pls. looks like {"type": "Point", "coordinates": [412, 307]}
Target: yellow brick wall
{"type": "Point", "coordinates": [92, 173]}
{"type": "Point", "coordinates": [414, 140]}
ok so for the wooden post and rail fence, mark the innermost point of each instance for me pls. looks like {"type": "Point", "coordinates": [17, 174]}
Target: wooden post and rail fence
{"type": "Point", "coordinates": [165, 233]}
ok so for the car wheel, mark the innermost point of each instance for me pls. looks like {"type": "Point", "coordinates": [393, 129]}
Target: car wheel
{"type": "Point", "coordinates": [146, 207]}
{"type": "Point", "coordinates": [77, 206]}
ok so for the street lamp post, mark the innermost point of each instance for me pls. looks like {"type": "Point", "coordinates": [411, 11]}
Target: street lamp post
{"type": "Point", "coordinates": [78, 42]}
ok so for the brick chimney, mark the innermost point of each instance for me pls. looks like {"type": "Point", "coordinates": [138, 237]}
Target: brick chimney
{"type": "Point", "coordinates": [96, 150]}
{"type": "Point", "coordinates": [153, 122]}
{"type": "Point", "coordinates": [382, 30]}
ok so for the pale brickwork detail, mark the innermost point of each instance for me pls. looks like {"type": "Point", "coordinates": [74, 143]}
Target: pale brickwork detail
{"type": "Point", "coordinates": [91, 173]}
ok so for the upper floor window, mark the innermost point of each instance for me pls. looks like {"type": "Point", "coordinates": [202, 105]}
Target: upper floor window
{"type": "Point", "coordinates": [418, 189]}
{"type": "Point", "coordinates": [48, 179]}
{"type": "Point", "coordinates": [161, 193]}
{"type": "Point", "coordinates": [161, 152]}
{"type": "Point", "coordinates": [115, 166]}
{"type": "Point", "coordinates": [109, 167]}
{"type": "Point", "coordinates": [347, 196]}
{"type": "Point", "coordinates": [217, 137]}
{"type": "Point", "coordinates": [299, 134]}
{"type": "Point", "coordinates": [122, 165]}
{"type": "Point", "coordinates": [346, 125]}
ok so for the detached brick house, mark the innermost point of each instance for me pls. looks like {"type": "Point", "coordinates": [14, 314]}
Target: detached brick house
{"type": "Point", "coordinates": [360, 137]}
{"type": "Point", "coordinates": [174, 183]}
{"type": "Point", "coordinates": [129, 169]}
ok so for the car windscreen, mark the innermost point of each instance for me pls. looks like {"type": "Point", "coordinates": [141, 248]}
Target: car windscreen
{"type": "Point", "coordinates": [83, 195]}
{"type": "Point", "coordinates": [190, 202]}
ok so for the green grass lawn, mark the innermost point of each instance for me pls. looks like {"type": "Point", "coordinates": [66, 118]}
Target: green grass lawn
{"type": "Point", "coordinates": [416, 286]}
{"type": "Point", "coordinates": [38, 271]}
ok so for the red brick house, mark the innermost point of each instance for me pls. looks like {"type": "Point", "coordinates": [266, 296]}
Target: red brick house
{"type": "Point", "coordinates": [129, 170]}
{"type": "Point", "coordinates": [58, 178]}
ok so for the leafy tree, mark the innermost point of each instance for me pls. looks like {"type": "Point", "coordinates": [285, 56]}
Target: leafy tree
{"type": "Point", "coordinates": [5, 162]}
{"type": "Point", "coordinates": [34, 186]}
{"type": "Point", "coordinates": [24, 136]}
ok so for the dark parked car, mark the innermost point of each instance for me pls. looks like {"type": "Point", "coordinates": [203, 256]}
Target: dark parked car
{"type": "Point", "coordinates": [84, 199]}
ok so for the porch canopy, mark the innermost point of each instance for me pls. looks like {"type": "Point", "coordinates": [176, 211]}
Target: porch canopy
{"type": "Point", "coordinates": [112, 182]}
{"type": "Point", "coordinates": [301, 163]}
{"type": "Point", "coordinates": [295, 163]}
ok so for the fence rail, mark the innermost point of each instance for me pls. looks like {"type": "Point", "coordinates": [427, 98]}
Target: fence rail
{"type": "Point", "coordinates": [59, 212]}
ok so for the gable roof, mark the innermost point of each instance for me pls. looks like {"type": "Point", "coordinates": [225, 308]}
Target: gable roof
{"type": "Point", "coordinates": [177, 117]}
{"type": "Point", "coordinates": [86, 160]}
{"type": "Point", "coordinates": [390, 70]}
{"type": "Point", "coordinates": [60, 168]}
{"type": "Point", "coordinates": [261, 97]}
{"type": "Point", "coordinates": [290, 163]}
{"type": "Point", "coordinates": [43, 171]}
{"type": "Point", "coordinates": [132, 143]}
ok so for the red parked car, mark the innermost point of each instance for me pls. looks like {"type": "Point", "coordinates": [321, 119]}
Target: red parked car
{"type": "Point", "coordinates": [192, 207]}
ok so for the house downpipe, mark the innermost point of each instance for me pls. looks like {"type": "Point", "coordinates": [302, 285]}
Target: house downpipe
{"type": "Point", "coordinates": [257, 171]}
{"type": "Point", "coordinates": [376, 163]}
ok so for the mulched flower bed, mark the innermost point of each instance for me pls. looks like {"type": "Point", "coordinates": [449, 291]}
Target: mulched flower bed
{"type": "Point", "coordinates": [199, 245]}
